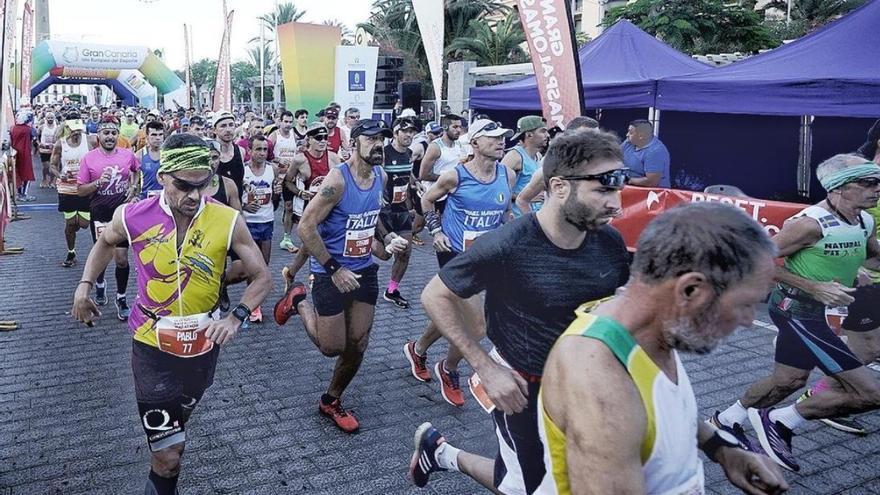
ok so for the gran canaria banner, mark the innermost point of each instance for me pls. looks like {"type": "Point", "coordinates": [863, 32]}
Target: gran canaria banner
{"type": "Point", "coordinates": [308, 61]}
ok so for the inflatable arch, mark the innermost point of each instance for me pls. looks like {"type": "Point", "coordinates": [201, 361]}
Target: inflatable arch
{"type": "Point", "coordinates": [119, 67]}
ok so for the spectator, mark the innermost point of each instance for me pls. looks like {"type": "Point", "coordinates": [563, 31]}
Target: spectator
{"type": "Point", "coordinates": [646, 156]}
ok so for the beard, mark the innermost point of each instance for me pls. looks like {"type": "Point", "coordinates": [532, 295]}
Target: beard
{"type": "Point", "coordinates": [698, 334]}
{"type": "Point", "coordinates": [584, 217]}
{"type": "Point", "coordinates": [375, 157]}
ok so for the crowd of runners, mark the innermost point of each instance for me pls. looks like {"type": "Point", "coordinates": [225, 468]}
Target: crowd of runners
{"type": "Point", "coordinates": [582, 373]}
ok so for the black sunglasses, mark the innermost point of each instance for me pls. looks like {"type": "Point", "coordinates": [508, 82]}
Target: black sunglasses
{"type": "Point", "coordinates": [186, 187]}
{"type": "Point", "coordinates": [613, 178]}
{"type": "Point", "coordinates": [320, 137]}
{"type": "Point", "coordinates": [868, 182]}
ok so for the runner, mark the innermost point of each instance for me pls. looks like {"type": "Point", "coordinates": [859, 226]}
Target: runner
{"type": "Point", "coordinates": [432, 133]}
{"type": "Point", "coordinates": [824, 246]}
{"type": "Point", "coordinates": [222, 189]}
{"type": "Point", "coordinates": [442, 154]}
{"type": "Point", "coordinates": [197, 126]}
{"type": "Point", "coordinates": [64, 162]}
{"type": "Point", "coordinates": [616, 404]}
{"type": "Point", "coordinates": [304, 179]}
{"type": "Point", "coordinates": [531, 297]}
{"type": "Point", "coordinates": [477, 199]}
{"type": "Point", "coordinates": [105, 175]}
{"type": "Point", "coordinates": [338, 230]}
{"type": "Point", "coordinates": [149, 159]}
{"type": "Point", "coordinates": [129, 128]}
{"type": "Point", "coordinates": [258, 202]}
{"type": "Point", "coordinates": [172, 362]}
{"type": "Point", "coordinates": [302, 125]}
{"type": "Point", "coordinates": [524, 159]}
{"type": "Point", "coordinates": [94, 120]}
{"type": "Point", "coordinates": [254, 128]}
{"type": "Point", "coordinates": [395, 214]}
{"type": "Point", "coordinates": [231, 154]}
{"type": "Point", "coordinates": [335, 139]}
{"type": "Point", "coordinates": [48, 132]}
{"type": "Point", "coordinates": [285, 150]}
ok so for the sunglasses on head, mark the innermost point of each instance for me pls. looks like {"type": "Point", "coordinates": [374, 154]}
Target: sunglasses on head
{"type": "Point", "coordinates": [613, 178]}
{"type": "Point", "coordinates": [186, 186]}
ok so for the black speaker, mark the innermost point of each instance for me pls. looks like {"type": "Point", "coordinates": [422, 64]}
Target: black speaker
{"type": "Point", "coordinates": [411, 95]}
{"type": "Point", "coordinates": [389, 72]}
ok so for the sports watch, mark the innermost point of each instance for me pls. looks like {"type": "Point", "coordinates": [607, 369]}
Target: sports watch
{"type": "Point", "coordinates": [720, 439]}
{"type": "Point", "coordinates": [241, 312]}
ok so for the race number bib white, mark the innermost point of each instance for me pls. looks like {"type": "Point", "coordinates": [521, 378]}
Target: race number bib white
{"type": "Point", "coordinates": [67, 182]}
{"type": "Point", "coordinates": [155, 192]}
{"type": "Point", "coordinates": [100, 227]}
{"type": "Point", "coordinates": [261, 195]}
{"type": "Point", "coordinates": [358, 242]}
{"type": "Point", "coordinates": [399, 194]}
{"type": "Point", "coordinates": [184, 336]}
{"type": "Point", "coordinates": [470, 236]}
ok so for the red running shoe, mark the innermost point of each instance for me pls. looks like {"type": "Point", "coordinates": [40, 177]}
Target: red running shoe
{"type": "Point", "coordinates": [449, 384]}
{"type": "Point", "coordinates": [286, 306]}
{"type": "Point", "coordinates": [416, 362]}
{"type": "Point", "coordinates": [343, 419]}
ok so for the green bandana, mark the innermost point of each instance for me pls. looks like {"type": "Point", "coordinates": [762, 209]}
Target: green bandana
{"type": "Point", "coordinates": [189, 158]}
{"type": "Point", "coordinates": [850, 174]}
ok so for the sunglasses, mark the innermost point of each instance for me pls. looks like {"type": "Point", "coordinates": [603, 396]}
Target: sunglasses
{"type": "Point", "coordinates": [613, 178]}
{"type": "Point", "coordinates": [320, 137]}
{"type": "Point", "coordinates": [868, 182]}
{"type": "Point", "coordinates": [186, 186]}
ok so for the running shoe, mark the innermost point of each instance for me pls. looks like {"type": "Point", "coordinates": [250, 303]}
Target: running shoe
{"type": "Point", "coordinates": [735, 430]}
{"type": "Point", "coordinates": [847, 424]}
{"type": "Point", "coordinates": [26, 198]}
{"type": "Point", "coordinates": [287, 243]}
{"type": "Point", "coordinates": [874, 365]}
{"type": "Point", "coordinates": [70, 260]}
{"type": "Point", "coordinates": [396, 299]}
{"type": "Point", "coordinates": [417, 240]}
{"type": "Point", "coordinates": [775, 438]}
{"type": "Point", "coordinates": [122, 310]}
{"type": "Point", "coordinates": [256, 315]}
{"type": "Point", "coordinates": [424, 461]}
{"type": "Point", "coordinates": [286, 306]}
{"type": "Point", "coordinates": [416, 362]}
{"type": "Point", "coordinates": [449, 384]}
{"type": "Point", "coordinates": [345, 420]}
{"type": "Point", "coordinates": [101, 295]}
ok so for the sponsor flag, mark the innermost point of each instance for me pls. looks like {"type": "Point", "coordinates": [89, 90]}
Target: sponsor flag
{"type": "Point", "coordinates": [188, 100]}
{"type": "Point", "coordinates": [6, 55]}
{"type": "Point", "coordinates": [27, 48]}
{"type": "Point", "coordinates": [356, 77]}
{"type": "Point", "coordinates": [552, 46]}
{"type": "Point", "coordinates": [223, 79]}
{"type": "Point", "coordinates": [429, 14]}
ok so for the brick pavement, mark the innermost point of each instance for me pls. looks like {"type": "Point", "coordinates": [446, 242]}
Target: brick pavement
{"type": "Point", "coordinates": [69, 424]}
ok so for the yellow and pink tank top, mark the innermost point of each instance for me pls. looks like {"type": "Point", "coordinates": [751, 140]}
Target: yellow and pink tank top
{"type": "Point", "coordinates": [172, 281]}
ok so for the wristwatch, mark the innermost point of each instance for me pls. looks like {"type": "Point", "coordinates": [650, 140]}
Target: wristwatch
{"type": "Point", "coordinates": [241, 312]}
{"type": "Point", "coordinates": [720, 439]}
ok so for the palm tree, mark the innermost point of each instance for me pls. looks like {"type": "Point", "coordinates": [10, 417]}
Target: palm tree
{"type": "Point", "coordinates": [284, 13]}
{"type": "Point", "coordinates": [347, 35]}
{"type": "Point", "coordinates": [496, 44]}
{"type": "Point", "coordinates": [253, 53]}
{"type": "Point", "coordinates": [816, 12]}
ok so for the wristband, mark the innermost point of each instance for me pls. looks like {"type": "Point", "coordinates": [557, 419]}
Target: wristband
{"type": "Point", "coordinates": [432, 220]}
{"type": "Point", "coordinates": [332, 266]}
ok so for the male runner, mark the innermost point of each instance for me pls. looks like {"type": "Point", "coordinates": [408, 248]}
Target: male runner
{"type": "Point", "coordinates": [285, 150]}
{"type": "Point", "coordinates": [64, 162]}
{"type": "Point", "coordinates": [525, 267]}
{"type": "Point", "coordinates": [419, 147]}
{"type": "Point", "coordinates": [351, 116]}
{"type": "Point", "coordinates": [824, 246]}
{"type": "Point", "coordinates": [335, 140]}
{"type": "Point", "coordinates": [254, 128]}
{"type": "Point", "coordinates": [616, 408]}
{"type": "Point", "coordinates": [338, 229]}
{"type": "Point", "coordinates": [105, 176]}
{"type": "Point", "coordinates": [47, 132]}
{"type": "Point", "coordinates": [395, 212]}
{"type": "Point", "coordinates": [524, 158]}
{"type": "Point", "coordinates": [150, 160]}
{"type": "Point", "coordinates": [442, 154]}
{"type": "Point", "coordinates": [129, 128]}
{"type": "Point", "coordinates": [302, 125]}
{"type": "Point", "coordinates": [257, 202]}
{"type": "Point", "coordinates": [94, 120]}
{"type": "Point", "coordinates": [197, 126]}
{"type": "Point", "coordinates": [180, 239]}
{"type": "Point", "coordinates": [304, 179]}
{"type": "Point", "coordinates": [231, 154]}
{"type": "Point", "coordinates": [140, 141]}
{"type": "Point", "coordinates": [477, 199]}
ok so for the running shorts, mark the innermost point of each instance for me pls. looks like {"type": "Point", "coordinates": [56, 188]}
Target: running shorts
{"type": "Point", "coordinates": [444, 257]}
{"type": "Point", "coordinates": [71, 203]}
{"type": "Point", "coordinates": [397, 221]}
{"type": "Point", "coordinates": [261, 231]}
{"type": "Point", "coordinates": [167, 389]}
{"type": "Point", "coordinates": [805, 340]}
{"type": "Point", "coordinates": [329, 301]}
{"type": "Point", "coordinates": [519, 463]}
{"type": "Point", "coordinates": [93, 229]}
{"type": "Point", "coordinates": [864, 312]}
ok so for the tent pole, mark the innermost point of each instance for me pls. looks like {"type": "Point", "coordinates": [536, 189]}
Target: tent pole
{"type": "Point", "coordinates": [805, 151]}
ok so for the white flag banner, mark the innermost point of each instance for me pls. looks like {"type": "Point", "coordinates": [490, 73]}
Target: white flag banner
{"type": "Point", "coordinates": [27, 48]}
{"type": "Point", "coordinates": [355, 79]}
{"type": "Point", "coordinates": [429, 14]}
{"type": "Point", "coordinates": [6, 58]}
{"type": "Point", "coordinates": [223, 80]}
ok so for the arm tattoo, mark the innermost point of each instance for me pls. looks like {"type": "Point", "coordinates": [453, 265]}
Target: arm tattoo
{"type": "Point", "coordinates": [328, 191]}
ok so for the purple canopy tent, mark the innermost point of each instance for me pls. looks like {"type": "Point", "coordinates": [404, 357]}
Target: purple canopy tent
{"type": "Point", "coordinates": [620, 69]}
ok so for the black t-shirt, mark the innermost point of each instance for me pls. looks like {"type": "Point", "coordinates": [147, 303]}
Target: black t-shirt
{"type": "Point", "coordinates": [398, 166]}
{"type": "Point", "coordinates": [533, 287]}
{"type": "Point", "coordinates": [234, 168]}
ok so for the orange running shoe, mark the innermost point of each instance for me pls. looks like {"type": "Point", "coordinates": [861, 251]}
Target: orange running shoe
{"type": "Point", "coordinates": [286, 306]}
{"type": "Point", "coordinates": [344, 420]}
{"type": "Point", "coordinates": [416, 362]}
{"type": "Point", "coordinates": [449, 385]}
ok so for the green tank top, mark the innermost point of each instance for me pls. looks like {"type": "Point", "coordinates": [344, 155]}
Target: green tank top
{"type": "Point", "coordinates": [838, 254]}
{"type": "Point", "coordinates": [875, 212]}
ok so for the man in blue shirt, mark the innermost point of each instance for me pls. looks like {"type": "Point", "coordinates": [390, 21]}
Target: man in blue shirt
{"type": "Point", "coordinates": [645, 156]}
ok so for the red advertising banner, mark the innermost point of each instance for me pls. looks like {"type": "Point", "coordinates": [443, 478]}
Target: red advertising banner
{"type": "Point", "coordinates": [27, 48]}
{"type": "Point", "coordinates": [549, 33]}
{"type": "Point", "coordinates": [223, 80]}
{"type": "Point", "coordinates": [642, 204]}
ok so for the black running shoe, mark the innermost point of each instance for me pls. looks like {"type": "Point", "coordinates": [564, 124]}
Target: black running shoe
{"type": "Point", "coordinates": [396, 299]}
{"type": "Point", "coordinates": [775, 438]}
{"type": "Point", "coordinates": [735, 430]}
{"type": "Point", "coordinates": [70, 260]}
{"type": "Point", "coordinates": [122, 310]}
{"type": "Point", "coordinates": [423, 463]}
{"type": "Point", "coordinates": [101, 295]}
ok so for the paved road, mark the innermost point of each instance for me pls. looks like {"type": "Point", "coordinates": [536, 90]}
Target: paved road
{"type": "Point", "coordinates": [69, 424]}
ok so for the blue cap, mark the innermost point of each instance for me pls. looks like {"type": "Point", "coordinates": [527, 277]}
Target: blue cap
{"type": "Point", "coordinates": [184, 121]}
{"type": "Point", "coordinates": [433, 128]}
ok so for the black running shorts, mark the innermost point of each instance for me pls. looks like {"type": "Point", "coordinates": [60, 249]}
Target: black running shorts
{"type": "Point", "coordinates": [93, 230]}
{"type": "Point", "coordinates": [519, 463]}
{"type": "Point", "coordinates": [397, 221]}
{"type": "Point", "coordinates": [444, 257]}
{"type": "Point", "coordinates": [167, 389]}
{"type": "Point", "coordinates": [329, 301]}
{"type": "Point", "coordinates": [71, 203]}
